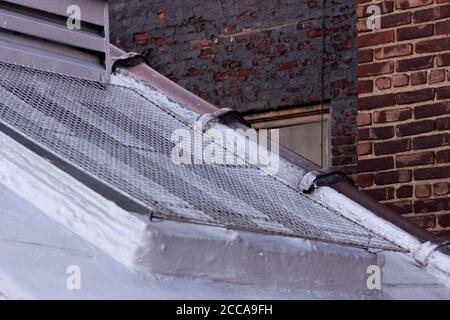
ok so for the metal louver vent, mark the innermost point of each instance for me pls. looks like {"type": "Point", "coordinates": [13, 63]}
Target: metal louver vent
{"type": "Point", "coordinates": [44, 34]}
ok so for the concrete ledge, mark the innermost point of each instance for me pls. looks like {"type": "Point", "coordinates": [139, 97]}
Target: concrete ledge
{"type": "Point", "coordinates": [248, 258]}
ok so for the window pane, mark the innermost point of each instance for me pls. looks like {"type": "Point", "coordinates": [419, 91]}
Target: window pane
{"type": "Point", "coordinates": [305, 140]}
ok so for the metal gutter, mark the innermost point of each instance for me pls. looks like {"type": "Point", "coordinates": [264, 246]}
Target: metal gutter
{"type": "Point", "coordinates": [195, 103]}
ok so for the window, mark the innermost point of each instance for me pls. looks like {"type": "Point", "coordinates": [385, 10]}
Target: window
{"type": "Point", "coordinates": [302, 129]}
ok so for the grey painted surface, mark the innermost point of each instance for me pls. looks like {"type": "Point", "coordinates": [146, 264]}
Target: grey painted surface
{"type": "Point", "coordinates": [36, 252]}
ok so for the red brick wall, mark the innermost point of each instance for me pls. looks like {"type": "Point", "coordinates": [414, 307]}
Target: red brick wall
{"type": "Point", "coordinates": [404, 109]}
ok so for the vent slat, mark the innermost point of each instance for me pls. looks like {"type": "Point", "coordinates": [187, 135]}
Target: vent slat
{"type": "Point", "coordinates": [94, 9]}
{"type": "Point", "coordinates": [35, 33]}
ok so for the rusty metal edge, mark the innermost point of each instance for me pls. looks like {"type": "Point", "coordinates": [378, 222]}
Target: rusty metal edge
{"type": "Point", "coordinates": [197, 104]}
{"type": "Point", "coordinates": [167, 86]}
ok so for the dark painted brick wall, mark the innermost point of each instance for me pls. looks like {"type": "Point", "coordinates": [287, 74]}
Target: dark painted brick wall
{"type": "Point", "coordinates": [252, 55]}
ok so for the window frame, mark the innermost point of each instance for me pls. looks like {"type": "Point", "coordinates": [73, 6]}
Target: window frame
{"type": "Point", "coordinates": [294, 116]}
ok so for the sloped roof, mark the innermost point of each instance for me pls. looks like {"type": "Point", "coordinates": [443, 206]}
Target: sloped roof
{"type": "Point", "coordinates": [116, 140]}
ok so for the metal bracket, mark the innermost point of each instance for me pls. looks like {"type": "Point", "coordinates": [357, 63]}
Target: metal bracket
{"type": "Point", "coordinates": [224, 116]}
{"type": "Point", "coordinates": [326, 177]}
{"type": "Point", "coordinates": [423, 253]}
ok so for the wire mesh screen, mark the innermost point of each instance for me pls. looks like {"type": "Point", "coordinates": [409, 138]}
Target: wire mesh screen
{"type": "Point", "coordinates": [119, 137]}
